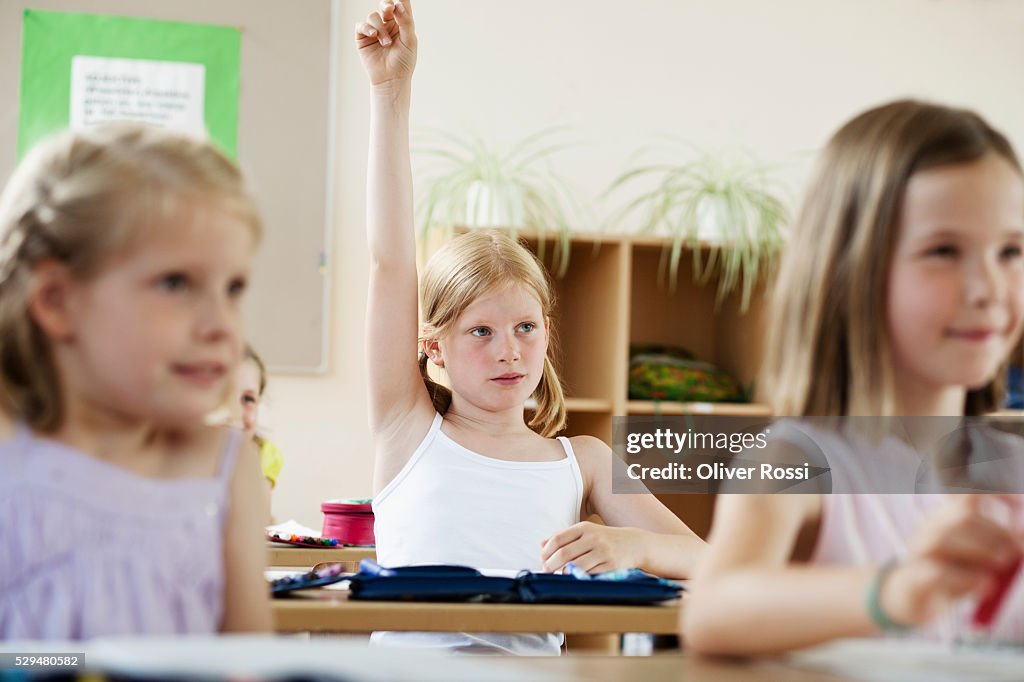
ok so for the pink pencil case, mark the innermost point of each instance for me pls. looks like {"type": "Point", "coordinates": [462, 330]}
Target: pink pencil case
{"type": "Point", "coordinates": [348, 521]}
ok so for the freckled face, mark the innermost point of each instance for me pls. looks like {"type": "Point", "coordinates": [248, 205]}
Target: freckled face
{"type": "Point", "coordinates": [494, 353]}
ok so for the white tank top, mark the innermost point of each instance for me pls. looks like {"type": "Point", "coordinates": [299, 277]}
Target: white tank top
{"type": "Point", "coordinates": [451, 505]}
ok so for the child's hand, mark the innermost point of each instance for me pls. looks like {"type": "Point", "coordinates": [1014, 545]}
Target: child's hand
{"type": "Point", "coordinates": [958, 553]}
{"type": "Point", "coordinates": [594, 548]}
{"type": "Point", "coordinates": [387, 43]}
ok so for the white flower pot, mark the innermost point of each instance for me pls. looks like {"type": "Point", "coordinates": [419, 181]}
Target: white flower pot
{"type": "Point", "coordinates": [494, 204]}
{"type": "Point", "coordinates": [711, 215]}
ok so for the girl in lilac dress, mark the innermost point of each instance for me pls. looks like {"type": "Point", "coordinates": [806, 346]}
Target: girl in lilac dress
{"type": "Point", "coordinates": [124, 253]}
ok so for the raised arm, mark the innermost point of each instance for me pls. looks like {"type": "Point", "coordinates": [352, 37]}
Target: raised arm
{"type": "Point", "coordinates": [398, 402]}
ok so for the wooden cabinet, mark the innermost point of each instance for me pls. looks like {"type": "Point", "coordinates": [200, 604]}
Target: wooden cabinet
{"type": "Point", "coordinates": [615, 294]}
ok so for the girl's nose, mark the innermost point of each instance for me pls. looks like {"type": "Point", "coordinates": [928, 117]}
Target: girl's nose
{"type": "Point", "coordinates": [510, 350]}
{"type": "Point", "coordinates": [215, 320]}
{"type": "Point", "coordinates": [984, 283]}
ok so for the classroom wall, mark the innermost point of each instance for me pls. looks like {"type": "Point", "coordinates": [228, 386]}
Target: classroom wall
{"type": "Point", "coordinates": [772, 78]}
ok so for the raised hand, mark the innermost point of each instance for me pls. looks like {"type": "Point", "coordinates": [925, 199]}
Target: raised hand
{"type": "Point", "coordinates": [387, 43]}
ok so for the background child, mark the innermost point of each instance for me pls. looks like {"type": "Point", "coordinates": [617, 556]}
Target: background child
{"type": "Point", "coordinates": [902, 295]}
{"type": "Point", "coordinates": [459, 476]}
{"type": "Point", "coordinates": [251, 381]}
{"type": "Point", "coordinates": [124, 251]}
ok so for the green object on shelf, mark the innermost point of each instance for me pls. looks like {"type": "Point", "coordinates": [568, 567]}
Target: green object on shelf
{"type": "Point", "coordinates": [638, 349]}
{"type": "Point", "coordinates": [672, 374]}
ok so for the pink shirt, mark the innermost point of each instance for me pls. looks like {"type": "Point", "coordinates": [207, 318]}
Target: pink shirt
{"type": "Point", "coordinates": [860, 529]}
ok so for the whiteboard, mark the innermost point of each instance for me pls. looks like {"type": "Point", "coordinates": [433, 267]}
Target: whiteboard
{"type": "Point", "coordinates": [286, 145]}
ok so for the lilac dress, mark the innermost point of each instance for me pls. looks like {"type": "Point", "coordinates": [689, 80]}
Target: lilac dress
{"type": "Point", "coordinates": [88, 549]}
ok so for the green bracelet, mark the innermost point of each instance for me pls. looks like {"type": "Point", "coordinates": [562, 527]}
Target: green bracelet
{"type": "Point", "coordinates": [878, 615]}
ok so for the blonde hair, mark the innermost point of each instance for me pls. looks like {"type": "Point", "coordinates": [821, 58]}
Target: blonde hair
{"type": "Point", "coordinates": [828, 350]}
{"type": "Point", "coordinates": [80, 198]}
{"type": "Point", "coordinates": [467, 267]}
{"type": "Point", "coordinates": [250, 354]}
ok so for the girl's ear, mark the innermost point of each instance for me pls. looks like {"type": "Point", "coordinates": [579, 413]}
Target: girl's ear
{"type": "Point", "coordinates": [49, 297]}
{"type": "Point", "coordinates": [433, 350]}
{"type": "Point", "coordinates": [547, 329]}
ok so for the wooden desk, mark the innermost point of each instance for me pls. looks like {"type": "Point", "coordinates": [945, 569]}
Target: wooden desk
{"type": "Point", "coordinates": [289, 556]}
{"type": "Point", "coordinates": [660, 668]}
{"type": "Point", "coordinates": [333, 611]}
{"type": "Point", "coordinates": [264, 656]}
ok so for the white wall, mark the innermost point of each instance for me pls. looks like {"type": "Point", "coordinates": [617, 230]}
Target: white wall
{"type": "Point", "coordinates": [774, 78]}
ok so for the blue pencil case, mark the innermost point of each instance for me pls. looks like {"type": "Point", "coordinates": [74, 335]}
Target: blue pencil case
{"type": "Point", "coordinates": [629, 586]}
{"type": "Point", "coordinates": [318, 577]}
{"type": "Point", "coordinates": [461, 583]}
{"type": "Point", "coordinates": [429, 583]}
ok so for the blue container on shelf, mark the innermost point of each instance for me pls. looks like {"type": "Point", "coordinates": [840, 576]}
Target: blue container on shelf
{"type": "Point", "coordinates": [1015, 388]}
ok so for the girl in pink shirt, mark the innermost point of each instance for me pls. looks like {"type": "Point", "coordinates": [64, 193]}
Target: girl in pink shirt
{"type": "Point", "coordinates": [901, 294]}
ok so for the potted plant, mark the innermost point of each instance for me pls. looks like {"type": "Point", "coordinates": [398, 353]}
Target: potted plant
{"type": "Point", "coordinates": [724, 212]}
{"type": "Point", "coordinates": [470, 183]}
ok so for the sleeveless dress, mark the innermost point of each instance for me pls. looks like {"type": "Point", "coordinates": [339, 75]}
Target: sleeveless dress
{"type": "Point", "coordinates": [88, 549]}
{"type": "Point", "coordinates": [450, 505]}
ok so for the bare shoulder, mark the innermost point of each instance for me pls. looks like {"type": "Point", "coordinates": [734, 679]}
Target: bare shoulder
{"type": "Point", "coordinates": [590, 447]}
{"type": "Point", "coordinates": [593, 455]}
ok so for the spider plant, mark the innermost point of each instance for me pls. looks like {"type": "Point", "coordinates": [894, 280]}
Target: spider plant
{"type": "Point", "coordinates": [724, 212]}
{"type": "Point", "coordinates": [470, 183]}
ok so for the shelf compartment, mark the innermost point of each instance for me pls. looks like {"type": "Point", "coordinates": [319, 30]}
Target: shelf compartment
{"type": "Point", "coordinates": [641, 407]}
{"type": "Point", "coordinates": [588, 405]}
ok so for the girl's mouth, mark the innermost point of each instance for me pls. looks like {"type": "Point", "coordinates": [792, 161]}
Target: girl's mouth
{"type": "Point", "coordinates": [204, 374]}
{"type": "Point", "coordinates": [978, 335]}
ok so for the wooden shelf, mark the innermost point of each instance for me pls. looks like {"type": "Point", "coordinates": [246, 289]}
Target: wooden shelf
{"type": "Point", "coordinates": [674, 408]}
{"type": "Point", "coordinates": [588, 405]}
{"type": "Point", "coordinates": [596, 405]}
{"type": "Point", "coordinates": [644, 241]}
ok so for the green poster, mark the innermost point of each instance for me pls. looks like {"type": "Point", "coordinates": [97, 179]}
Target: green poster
{"type": "Point", "coordinates": [79, 69]}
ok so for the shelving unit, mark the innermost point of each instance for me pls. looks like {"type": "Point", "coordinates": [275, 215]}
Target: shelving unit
{"type": "Point", "coordinates": [611, 297]}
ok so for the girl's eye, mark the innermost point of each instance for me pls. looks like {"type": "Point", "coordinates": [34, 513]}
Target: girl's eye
{"type": "Point", "coordinates": [527, 327]}
{"type": "Point", "coordinates": [480, 331]}
{"type": "Point", "coordinates": [943, 251]}
{"type": "Point", "coordinates": [173, 282]}
{"type": "Point", "coordinates": [248, 399]}
{"type": "Point", "coordinates": [1011, 252]}
{"type": "Point", "coordinates": [237, 287]}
